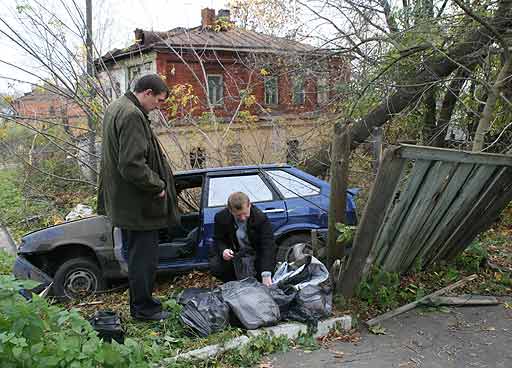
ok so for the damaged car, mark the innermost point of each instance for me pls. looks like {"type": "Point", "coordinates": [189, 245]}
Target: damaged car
{"type": "Point", "coordinates": [85, 256]}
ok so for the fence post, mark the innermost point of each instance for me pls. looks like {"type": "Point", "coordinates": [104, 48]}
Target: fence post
{"type": "Point", "coordinates": [338, 181]}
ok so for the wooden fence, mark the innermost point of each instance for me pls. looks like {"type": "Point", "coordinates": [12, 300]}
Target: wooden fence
{"type": "Point", "coordinates": [427, 204]}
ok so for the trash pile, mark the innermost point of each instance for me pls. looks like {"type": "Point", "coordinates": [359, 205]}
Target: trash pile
{"type": "Point", "coordinates": [299, 292]}
{"type": "Point", "coordinates": [80, 211]}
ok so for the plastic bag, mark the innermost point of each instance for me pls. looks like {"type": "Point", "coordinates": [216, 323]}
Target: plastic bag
{"type": "Point", "coordinates": [283, 298]}
{"type": "Point", "coordinates": [244, 265]}
{"type": "Point", "coordinates": [312, 302]}
{"type": "Point", "coordinates": [312, 272]}
{"type": "Point", "coordinates": [251, 303]}
{"type": "Point", "coordinates": [190, 293]}
{"type": "Point", "coordinates": [206, 313]}
{"type": "Point", "coordinates": [108, 325]}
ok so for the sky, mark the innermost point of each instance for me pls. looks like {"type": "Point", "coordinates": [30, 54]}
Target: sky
{"type": "Point", "coordinates": [124, 15]}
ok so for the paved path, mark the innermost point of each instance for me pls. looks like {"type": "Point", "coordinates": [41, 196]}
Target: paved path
{"type": "Point", "coordinates": [463, 337]}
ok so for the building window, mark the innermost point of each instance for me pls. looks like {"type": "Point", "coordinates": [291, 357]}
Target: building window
{"type": "Point", "coordinates": [234, 154]}
{"type": "Point", "coordinates": [322, 91]}
{"type": "Point", "coordinates": [271, 88]}
{"type": "Point", "coordinates": [138, 70]}
{"type": "Point", "coordinates": [215, 90]}
{"type": "Point", "coordinates": [197, 158]}
{"type": "Point", "coordinates": [292, 152]}
{"type": "Point", "coordinates": [298, 91]}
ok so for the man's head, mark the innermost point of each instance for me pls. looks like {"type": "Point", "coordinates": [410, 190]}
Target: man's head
{"type": "Point", "coordinates": [151, 91]}
{"type": "Point", "coordinates": [239, 206]}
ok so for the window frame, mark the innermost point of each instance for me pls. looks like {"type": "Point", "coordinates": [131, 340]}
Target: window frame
{"type": "Point", "coordinates": [265, 95]}
{"type": "Point", "coordinates": [302, 81]}
{"type": "Point", "coordinates": [221, 86]}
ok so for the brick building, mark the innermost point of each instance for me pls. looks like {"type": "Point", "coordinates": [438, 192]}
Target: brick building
{"type": "Point", "coordinates": [223, 64]}
{"type": "Point", "coordinates": [275, 84]}
{"type": "Point", "coordinates": [44, 105]}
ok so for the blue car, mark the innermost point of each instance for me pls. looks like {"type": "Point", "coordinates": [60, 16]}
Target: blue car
{"type": "Point", "coordinates": [84, 256]}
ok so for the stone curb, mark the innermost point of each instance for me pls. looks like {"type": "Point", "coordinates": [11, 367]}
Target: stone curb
{"type": "Point", "coordinates": [290, 330]}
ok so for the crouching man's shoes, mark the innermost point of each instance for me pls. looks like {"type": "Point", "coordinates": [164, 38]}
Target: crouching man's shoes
{"type": "Point", "coordinates": [152, 317]}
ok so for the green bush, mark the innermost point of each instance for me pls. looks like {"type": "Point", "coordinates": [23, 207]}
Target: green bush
{"type": "Point", "coordinates": [6, 263]}
{"type": "Point", "coordinates": [36, 334]}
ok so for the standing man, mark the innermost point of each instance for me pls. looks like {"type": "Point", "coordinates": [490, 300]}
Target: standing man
{"type": "Point", "coordinates": [136, 188]}
{"type": "Point", "coordinates": [244, 242]}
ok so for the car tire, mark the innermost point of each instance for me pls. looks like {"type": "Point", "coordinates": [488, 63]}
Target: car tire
{"type": "Point", "coordinates": [285, 249]}
{"type": "Point", "coordinates": [78, 277]}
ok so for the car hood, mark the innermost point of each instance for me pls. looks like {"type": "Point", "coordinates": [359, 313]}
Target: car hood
{"type": "Point", "coordinates": [68, 232]}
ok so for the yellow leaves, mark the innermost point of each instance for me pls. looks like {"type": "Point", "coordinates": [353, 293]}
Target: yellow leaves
{"type": "Point", "coordinates": [8, 99]}
{"type": "Point", "coordinates": [56, 220]}
{"type": "Point", "coordinates": [222, 25]}
{"type": "Point", "coordinates": [182, 99]}
{"type": "Point", "coordinates": [508, 305]}
{"type": "Point", "coordinates": [264, 72]}
{"type": "Point", "coordinates": [245, 117]}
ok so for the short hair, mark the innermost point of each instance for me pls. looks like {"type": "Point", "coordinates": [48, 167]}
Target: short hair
{"type": "Point", "coordinates": [237, 200]}
{"type": "Point", "coordinates": [153, 82]}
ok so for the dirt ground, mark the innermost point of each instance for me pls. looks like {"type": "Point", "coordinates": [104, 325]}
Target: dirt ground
{"type": "Point", "coordinates": [458, 337]}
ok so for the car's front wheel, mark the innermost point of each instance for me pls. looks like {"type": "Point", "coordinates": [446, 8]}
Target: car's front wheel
{"type": "Point", "coordinates": [78, 277]}
{"type": "Point", "coordinates": [293, 247]}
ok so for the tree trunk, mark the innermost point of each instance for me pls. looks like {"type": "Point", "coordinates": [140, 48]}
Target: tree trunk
{"type": "Point", "coordinates": [429, 117]}
{"type": "Point", "coordinates": [490, 106]}
{"type": "Point", "coordinates": [449, 102]}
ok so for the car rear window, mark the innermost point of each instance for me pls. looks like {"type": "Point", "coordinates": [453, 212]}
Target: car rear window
{"type": "Point", "coordinates": [252, 185]}
{"type": "Point", "coordinates": [291, 186]}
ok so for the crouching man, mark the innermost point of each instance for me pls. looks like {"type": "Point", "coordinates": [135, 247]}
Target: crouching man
{"type": "Point", "coordinates": [244, 242]}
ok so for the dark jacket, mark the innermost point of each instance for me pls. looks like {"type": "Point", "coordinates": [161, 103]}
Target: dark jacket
{"type": "Point", "coordinates": [259, 232]}
{"type": "Point", "coordinates": [134, 170]}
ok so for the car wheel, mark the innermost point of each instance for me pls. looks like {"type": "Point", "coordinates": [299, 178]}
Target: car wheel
{"type": "Point", "coordinates": [78, 277]}
{"type": "Point", "coordinates": [293, 247]}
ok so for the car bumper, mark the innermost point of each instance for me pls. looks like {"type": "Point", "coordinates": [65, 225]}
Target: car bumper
{"type": "Point", "coordinates": [24, 270]}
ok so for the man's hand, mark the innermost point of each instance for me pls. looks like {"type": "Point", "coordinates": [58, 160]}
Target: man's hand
{"type": "Point", "coordinates": [267, 280]}
{"type": "Point", "coordinates": [228, 254]}
{"type": "Point", "coordinates": [161, 194]}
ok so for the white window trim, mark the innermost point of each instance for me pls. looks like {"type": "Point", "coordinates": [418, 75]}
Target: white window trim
{"type": "Point", "coordinates": [265, 91]}
{"type": "Point", "coordinates": [221, 103]}
{"type": "Point", "coordinates": [303, 90]}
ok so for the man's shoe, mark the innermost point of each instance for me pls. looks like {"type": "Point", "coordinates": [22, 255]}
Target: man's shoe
{"type": "Point", "coordinates": [153, 317]}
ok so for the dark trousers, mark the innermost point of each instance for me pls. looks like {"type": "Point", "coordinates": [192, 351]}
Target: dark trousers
{"type": "Point", "coordinates": [142, 262]}
{"type": "Point", "coordinates": [221, 269]}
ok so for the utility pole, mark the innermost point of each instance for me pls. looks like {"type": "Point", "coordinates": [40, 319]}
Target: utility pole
{"type": "Point", "coordinates": [91, 136]}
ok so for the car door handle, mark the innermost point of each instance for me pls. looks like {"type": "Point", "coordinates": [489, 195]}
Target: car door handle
{"type": "Point", "coordinates": [273, 210]}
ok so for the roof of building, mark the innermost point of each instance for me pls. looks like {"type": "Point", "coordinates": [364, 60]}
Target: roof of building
{"type": "Point", "coordinates": [205, 38]}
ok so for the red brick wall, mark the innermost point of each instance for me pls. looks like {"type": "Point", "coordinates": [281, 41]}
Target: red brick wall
{"type": "Point", "coordinates": [236, 77]}
{"type": "Point", "coordinates": [37, 105]}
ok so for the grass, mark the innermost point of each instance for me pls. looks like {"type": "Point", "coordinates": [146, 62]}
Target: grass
{"type": "Point", "coordinates": [6, 263]}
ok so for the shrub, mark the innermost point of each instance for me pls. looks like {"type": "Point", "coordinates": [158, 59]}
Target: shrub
{"type": "Point", "coordinates": [36, 334]}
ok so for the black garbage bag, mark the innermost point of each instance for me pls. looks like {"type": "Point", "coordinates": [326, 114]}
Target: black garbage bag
{"type": "Point", "coordinates": [312, 303]}
{"type": "Point", "coordinates": [283, 298]}
{"type": "Point", "coordinates": [244, 264]}
{"type": "Point", "coordinates": [251, 303]}
{"type": "Point", "coordinates": [108, 325]}
{"type": "Point", "coordinates": [190, 293]}
{"type": "Point", "coordinates": [206, 313]}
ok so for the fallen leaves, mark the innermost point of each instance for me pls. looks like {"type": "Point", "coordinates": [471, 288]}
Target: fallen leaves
{"type": "Point", "coordinates": [351, 336]}
{"type": "Point", "coordinates": [377, 330]}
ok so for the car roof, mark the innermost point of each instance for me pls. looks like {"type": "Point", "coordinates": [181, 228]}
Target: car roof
{"type": "Point", "coordinates": [231, 168]}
